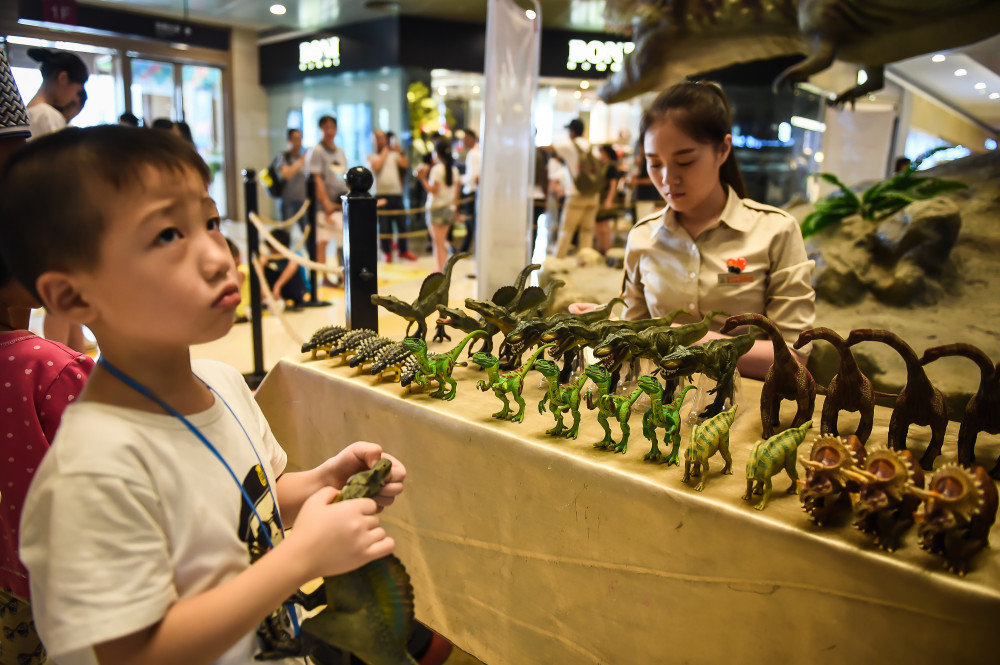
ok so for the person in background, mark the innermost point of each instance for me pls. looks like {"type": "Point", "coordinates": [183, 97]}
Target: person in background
{"type": "Point", "coordinates": [580, 210]}
{"type": "Point", "coordinates": [128, 119]}
{"type": "Point", "coordinates": [682, 257]}
{"type": "Point", "coordinates": [645, 198]}
{"type": "Point", "coordinates": [284, 277]}
{"type": "Point", "coordinates": [184, 131]}
{"type": "Point", "coordinates": [442, 183]}
{"type": "Point", "coordinates": [292, 164]}
{"type": "Point", "coordinates": [167, 125]}
{"type": "Point", "coordinates": [470, 185]}
{"type": "Point", "coordinates": [73, 109]}
{"type": "Point", "coordinates": [139, 533]}
{"type": "Point", "coordinates": [387, 162]}
{"type": "Point", "coordinates": [63, 77]}
{"type": "Point", "coordinates": [609, 210]}
{"type": "Point", "coordinates": [327, 165]}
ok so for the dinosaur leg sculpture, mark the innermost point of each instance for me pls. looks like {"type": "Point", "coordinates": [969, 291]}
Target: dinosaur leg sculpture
{"type": "Point", "coordinates": [626, 431]}
{"type": "Point", "coordinates": [607, 441]}
{"type": "Point", "coordinates": [574, 429]}
{"type": "Point", "coordinates": [934, 447]}
{"type": "Point", "coordinates": [793, 474]}
{"type": "Point", "coordinates": [674, 435]}
{"type": "Point", "coordinates": [702, 470]}
{"type": "Point", "coordinates": [769, 408]}
{"type": "Point", "coordinates": [748, 496]}
{"type": "Point", "coordinates": [765, 495]}
{"type": "Point", "coordinates": [821, 58]}
{"type": "Point", "coordinates": [897, 431]}
{"type": "Point", "coordinates": [519, 416]}
{"type": "Point", "coordinates": [804, 412]}
{"type": "Point", "coordinates": [649, 431]}
{"type": "Point", "coordinates": [875, 82]}
{"type": "Point", "coordinates": [502, 413]}
{"type": "Point", "coordinates": [557, 414]}
{"type": "Point", "coordinates": [828, 421]}
{"type": "Point", "coordinates": [727, 470]}
{"type": "Point", "coordinates": [867, 422]}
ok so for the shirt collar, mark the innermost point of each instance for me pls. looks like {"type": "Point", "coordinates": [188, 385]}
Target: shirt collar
{"type": "Point", "coordinates": [730, 216]}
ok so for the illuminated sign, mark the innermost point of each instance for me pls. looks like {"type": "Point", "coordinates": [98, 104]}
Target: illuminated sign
{"type": "Point", "coordinates": [319, 53]}
{"type": "Point", "coordinates": [597, 55]}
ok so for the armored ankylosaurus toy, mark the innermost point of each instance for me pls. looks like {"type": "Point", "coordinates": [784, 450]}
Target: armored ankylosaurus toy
{"type": "Point", "coordinates": [885, 502]}
{"type": "Point", "coordinates": [437, 366]}
{"type": "Point", "coordinates": [960, 507]}
{"type": "Point", "coordinates": [831, 476]}
{"type": "Point", "coordinates": [509, 382]}
{"type": "Point", "coordinates": [708, 438]}
{"type": "Point", "coordinates": [369, 611]}
{"type": "Point", "coordinates": [610, 405]}
{"type": "Point", "coordinates": [324, 339]}
{"type": "Point", "coordinates": [368, 350]}
{"type": "Point", "coordinates": [771, 456]}
{"type": "Point", "coordinates": [433, 292]}
{"type": "Point", "coordinates": [390, 358]}
{"type": "Point", "coordinates": [561, 399]}
{"type": "Point", "coordinates": [662, 415]}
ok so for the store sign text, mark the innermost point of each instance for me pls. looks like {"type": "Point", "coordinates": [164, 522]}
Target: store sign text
{"type": "Point", "coordinates": [319, 53]}
{"type": "Point", "coordinates": [597, 55]}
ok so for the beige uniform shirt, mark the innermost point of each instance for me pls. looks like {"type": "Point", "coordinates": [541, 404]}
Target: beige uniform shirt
{"type": "Point", "coordinates": [665, 269]}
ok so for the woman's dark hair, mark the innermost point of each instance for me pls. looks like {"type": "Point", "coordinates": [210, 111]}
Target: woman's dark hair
{"type": "Point", "coordinates": [56, 62]}
{"type": "Point", "coordinates": [185, 130]}
{"type": "Point", "coordinates": [701, 110]}
{"type": "Point", "coordinates": [443, 150]}
{"type": "Point", "coordinates": [165, 124]}
{"type": "Point", "coordinates": [609, 150]}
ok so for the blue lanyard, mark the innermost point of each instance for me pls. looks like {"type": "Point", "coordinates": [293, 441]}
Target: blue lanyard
{"type": "Point", "coordinates": [143, 390]}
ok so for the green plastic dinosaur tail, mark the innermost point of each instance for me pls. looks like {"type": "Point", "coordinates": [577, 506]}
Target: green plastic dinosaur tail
{"type": "Point", "coordinates": [680, 398]}
{"type": "Point", "coordinates": [534, 356]}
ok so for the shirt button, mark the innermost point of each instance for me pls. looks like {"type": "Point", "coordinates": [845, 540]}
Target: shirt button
{"type": "Point", "coordinates": [692, 275]}
{"type": "Point", "coordinates": [691, 307]}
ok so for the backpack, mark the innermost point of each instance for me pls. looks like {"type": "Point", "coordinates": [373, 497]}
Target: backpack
{"type": "Point", "coordinates": [589, 178]}
{"type": "Point", "coordinates": [271, 177]}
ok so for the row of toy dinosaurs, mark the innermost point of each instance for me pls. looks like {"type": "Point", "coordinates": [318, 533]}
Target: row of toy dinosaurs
{"type": "Point", "coordinates": [884, 489]}
{"type": "Point", "coordinates": [918, 403]}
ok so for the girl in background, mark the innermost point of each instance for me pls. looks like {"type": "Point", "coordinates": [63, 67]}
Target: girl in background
{"type": "Point", "coordinates": [63, 76]}
{"type": "Point", "coordinates": [609, 209]}
{"type": "Point", "coordinates": [442, 184]}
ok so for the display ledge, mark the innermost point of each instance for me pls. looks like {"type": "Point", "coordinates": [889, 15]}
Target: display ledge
{"type": "Point", "coordinates": [529, 548]}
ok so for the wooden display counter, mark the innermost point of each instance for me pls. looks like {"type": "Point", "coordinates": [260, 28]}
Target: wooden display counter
{"type": "Point", "coordinates": [525, 548]}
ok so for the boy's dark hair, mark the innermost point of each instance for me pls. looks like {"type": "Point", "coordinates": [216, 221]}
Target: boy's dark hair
{"type": "Point", "coordinates": [129, 118]}
{"type": "Point", "coordinates": [51, 216]}
{"type": "Point", "coordinates": [326, 118]}
{"type": "Point", "coordinates": [702, 112]}
{"type": "Point", "coordinates": [165, 124]}
{"type": "Point", "coordinates": [54, 63]}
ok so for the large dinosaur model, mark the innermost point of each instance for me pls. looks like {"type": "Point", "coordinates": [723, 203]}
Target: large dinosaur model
{"type": "Point", "coordinates": [509, 382]}
{"type": "Point", "coordinates": [960, 507]}
{"type": "Point", "coordinates": [708, 438]}
{"type": "Point", "coordinates": [534, 303]}
{"type": "Point", "coordinates": [609, 405]}
{"type": "Point", "coordinates": [433, 292]}
{"type": "Point", "coordinates": [850, 390]}
{"type": "Point", "coordinates": [769, 457]}
{"type": "Point", "coordinates": [561, 398]}
{"type": "Point", "coordinates": [662, 415]}
{"type": "Point", "coordinates": [437, 366]}
{"type": "Point", "coordinates": [884, 502]}
{"type": "Point", "coordinates": [786, 379]}
{"type": "Point", "coordinates": [982, 413]}
{"type": "Point", "coordinates": [369, 611]}
{"type": "Point", "coordinates": [919, 402]}
{"type": "Point", "coordinates": [675, 39]}
{"type": "Point", "coordinates": [624, 344]}
{"type": "Point", "coordinates": [460, 319]}
{"type": "Point", "coordinates": [716, 359]}
{"type": "Point", "coordinates": [829, 485]}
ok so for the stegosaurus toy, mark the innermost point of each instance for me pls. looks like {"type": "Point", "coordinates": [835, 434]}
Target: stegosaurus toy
{"type": "Point", "coordinates": [509, 382]}
{"type": "Point", "coordinates": [661, 415]}
{"type": "Point", "coordinates": [561, 399]}
{"type": "Point", "coordinates": [610, 405]}
{"type": "Point", "coordinates": [708, 438]}
{"type": "Point", "coordinates": [771, 456]}
{"type": "Point", "coordinates": [437, 366]}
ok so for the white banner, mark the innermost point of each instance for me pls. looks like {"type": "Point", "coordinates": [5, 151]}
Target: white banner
{"type": "Point", "coordinates": [504, 205]}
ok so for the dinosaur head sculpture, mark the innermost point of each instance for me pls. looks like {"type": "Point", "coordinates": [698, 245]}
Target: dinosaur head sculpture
{"type": "Point", "coordinates": [485, 360]}
{"type": "Point", "coordinates": [414, 345]}
{"type": "Point", "coordinates": [547, 368]}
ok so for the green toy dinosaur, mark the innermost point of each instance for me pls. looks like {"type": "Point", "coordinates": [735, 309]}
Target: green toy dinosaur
{"type": "Point", "coordinates": [369, 611]}
{"type": "Point", "coordinates": [509, 382]}
{"type": "Point", "coordinates": [769, 457]}
{"type": "Point", "coordinates": [528, 332]}
{"type": "Point", "coordinates": [609, 405]}
{"type": "Point", "coordinates": [662, 415]}
{"type": "Point", "coordinates": [534, 303]}
{"type": "Point", "coordinates": [708, 438]}
{"type": "Point", "coordinates": [437, 366]}
{"type": "Point", "coordinates": [561, 399]}
{"type": "Point", "coordinates": [716, 359]}
{"type": "Point", "coordinates": [459, 319]}
{"type": "Point", "coordinates": [626, 343]}
{"type": "Point", "coordinates": [433, 292]}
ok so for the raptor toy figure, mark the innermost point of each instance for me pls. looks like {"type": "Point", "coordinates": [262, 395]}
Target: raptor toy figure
{"type": "Point", "coordinates": [437, 366]}
{"type": "Point", "coordinates": [509, 382]}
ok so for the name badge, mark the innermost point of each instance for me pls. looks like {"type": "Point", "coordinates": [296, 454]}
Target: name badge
{"type": "Point", "coordinates": [735, 278]}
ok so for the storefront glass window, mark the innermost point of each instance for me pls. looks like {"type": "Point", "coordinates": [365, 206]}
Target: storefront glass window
{"type": "Point", "coordinates": [152, 90]}
{"type": "Point", "coordinates": [201, 91]}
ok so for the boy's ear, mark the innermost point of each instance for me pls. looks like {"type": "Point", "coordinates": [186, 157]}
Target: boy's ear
{"type": "Point", "coordinates": [61, 295]}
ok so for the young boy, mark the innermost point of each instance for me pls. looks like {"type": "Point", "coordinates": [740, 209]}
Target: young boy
{"type": "Point", "coordinates": [146, 530]}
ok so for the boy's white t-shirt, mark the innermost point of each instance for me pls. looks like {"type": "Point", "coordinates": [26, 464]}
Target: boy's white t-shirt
{"type": "Point", "coordinates": [130, 512]}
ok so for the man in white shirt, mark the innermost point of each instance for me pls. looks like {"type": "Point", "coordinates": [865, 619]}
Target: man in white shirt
{"type": "Point", "coordinates": [580, 209]}
{"type": "Point", "coordinates": [470, 184]}
{"type": "Point", "coordinates": [327, 165]}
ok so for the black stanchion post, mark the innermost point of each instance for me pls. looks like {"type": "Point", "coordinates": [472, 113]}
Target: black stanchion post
{"type": "Point", "coordinates": [314, 210]}
{"type": "Point", "coordinates": [360, 250]}
{"type": "Point", "coordinates": [253, 252]}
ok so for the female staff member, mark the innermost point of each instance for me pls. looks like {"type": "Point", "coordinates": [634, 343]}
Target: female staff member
{"type": "Point", "coordinates": [682, 256]}
{"type": "Point", "coordinates": [442, 198]}
{"type": "Point", "coordinates": [63, 76]}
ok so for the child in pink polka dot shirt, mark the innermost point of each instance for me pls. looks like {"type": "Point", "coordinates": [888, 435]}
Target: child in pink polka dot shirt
{"type": "Point", "coordinates": [38, 379]}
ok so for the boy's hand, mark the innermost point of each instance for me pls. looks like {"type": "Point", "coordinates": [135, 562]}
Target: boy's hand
{"type": "Point", "coordinates": [361, 456]}
{"type": "Point", "coordinates": [332, 539]}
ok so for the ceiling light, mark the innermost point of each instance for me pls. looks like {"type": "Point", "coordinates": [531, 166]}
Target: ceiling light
{"type": "Point", "coordinates": [980, 86]}
{"type": "Point", "coordinates": [584, 84]}
{"type": "Point", "coordinates": [990, 144]}
{"type": "Point", "coordinates": [443, 91]}
{"type": "Point", "coordinates": [475, 89]}
{"type": "Point", "coordinates": [278, 10]}
{"type": "Point", "coordinates": [938, 58]}
{"type": "Point", "coordinates": [577, 94]}
{"type": "Point", "coordinates": [530, 13]}
{"type": "Point", "coordinates": [553, 92]}
{"type": "Point", "coordinates": [995, 95]}
{"type": "Point", "coordinates": [807, 123]}
{"type": "Point", "coordinates": [961, 72]}
{"type": "Point", "coordinates": [818, 157]}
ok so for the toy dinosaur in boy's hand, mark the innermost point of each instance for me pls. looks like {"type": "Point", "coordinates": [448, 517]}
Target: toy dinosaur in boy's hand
{"type": "Point", "coordinates": [369, 611]}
